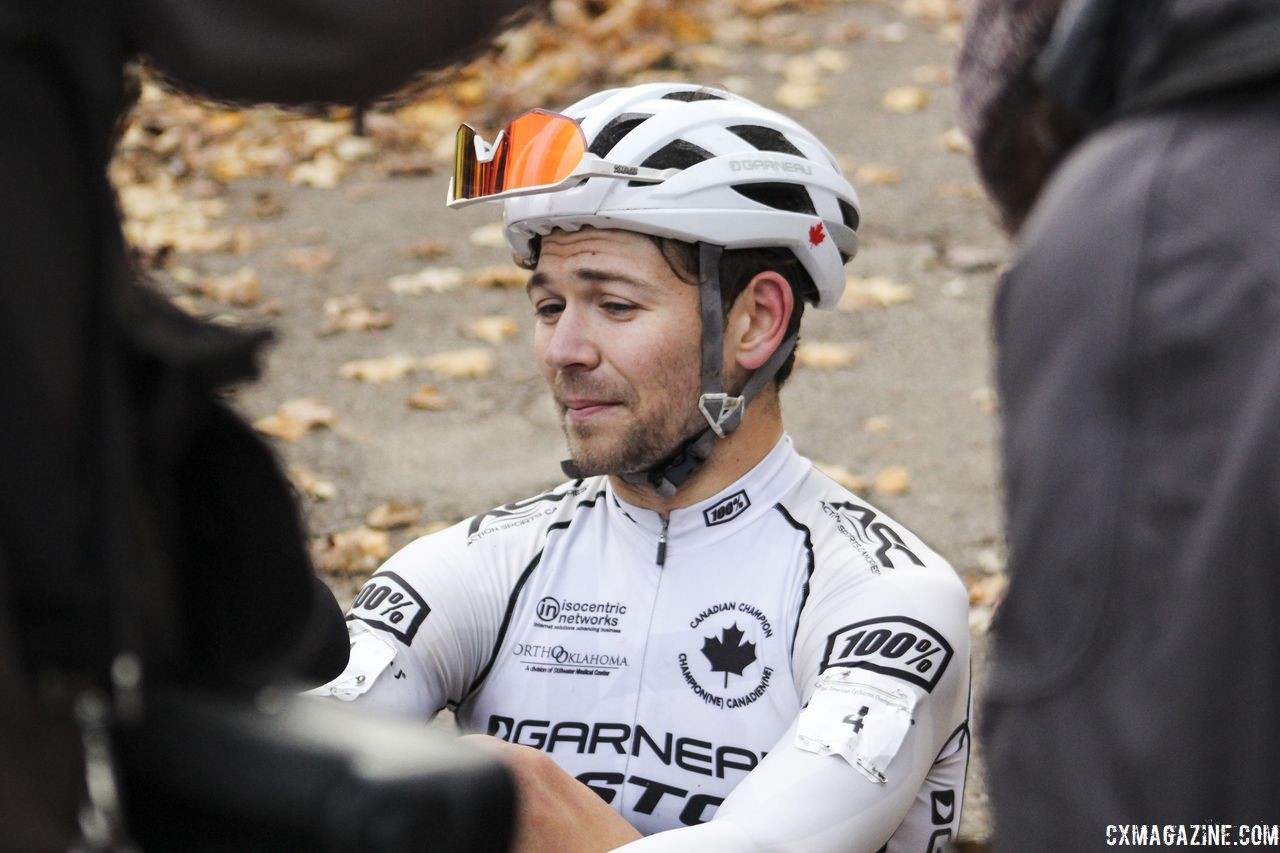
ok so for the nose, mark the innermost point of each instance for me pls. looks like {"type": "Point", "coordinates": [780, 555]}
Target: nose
{"type": "Point", "coordinates": [569, 343]}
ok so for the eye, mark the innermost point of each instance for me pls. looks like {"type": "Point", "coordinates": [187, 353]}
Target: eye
{"type": "Point", "coordinates": [618, 309]}
{"type": "Point", "coordinates": [548, 310]}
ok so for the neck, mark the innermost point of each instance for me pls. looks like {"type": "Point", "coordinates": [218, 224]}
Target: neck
{"type": "Point", "coordinates": [731, 458]}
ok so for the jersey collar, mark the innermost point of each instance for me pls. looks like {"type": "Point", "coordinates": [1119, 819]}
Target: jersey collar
{"type": "Point", "coordinates": [737, 505]}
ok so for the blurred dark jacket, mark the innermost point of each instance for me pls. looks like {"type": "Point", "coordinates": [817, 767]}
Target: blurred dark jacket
{"type": "Point", "coordinates": [1138, 331]}
{"type": "Point", "coordinates": [137, 513]}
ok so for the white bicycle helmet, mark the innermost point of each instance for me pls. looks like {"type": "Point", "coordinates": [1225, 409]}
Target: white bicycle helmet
{"type": "Point", "coordinates": [748, 177]}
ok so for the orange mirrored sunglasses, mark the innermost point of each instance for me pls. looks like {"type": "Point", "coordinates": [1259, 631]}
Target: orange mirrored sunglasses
{"type": "Point", "coordinates": [538, 152]}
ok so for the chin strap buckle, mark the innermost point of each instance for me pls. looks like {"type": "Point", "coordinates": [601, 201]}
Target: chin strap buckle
{"type": "Point", "coordinates": [722, 411]}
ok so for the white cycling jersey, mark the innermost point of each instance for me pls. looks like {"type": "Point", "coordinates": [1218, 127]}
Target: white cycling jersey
{"type": "Point", "coordinates": [781, 660]}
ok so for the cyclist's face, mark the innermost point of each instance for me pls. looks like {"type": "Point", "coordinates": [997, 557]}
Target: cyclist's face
{"type": "Point", "coordinates": [618, 341]}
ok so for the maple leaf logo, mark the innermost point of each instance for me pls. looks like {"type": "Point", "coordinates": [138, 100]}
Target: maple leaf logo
{"type": "Point", "coordinates": [729, 653]}
{"type": "Point", "coordinates": [816, 235]}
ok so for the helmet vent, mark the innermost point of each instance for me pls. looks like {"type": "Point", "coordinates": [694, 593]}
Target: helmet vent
{"type": "Point", "coordinates": [789, 197]}
{"type": "Point", "coordinates": [848, 214]}
{"type": "Point", "coordinates": [613, 132]}
{"type": "Point", "coordinates": [678, 154]}
{"type": "Point", "coordinates": [693, 95]}
{"type": "Point", "coordinates": [766, 139]}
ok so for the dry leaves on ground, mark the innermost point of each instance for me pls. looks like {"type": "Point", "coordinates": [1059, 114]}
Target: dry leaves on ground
{"type": "Point", "coordinates": [855, 483]}
{"type": "Point", "coordinates": [877, 174]}
{"type": "Point", "coordinates": [863, 294]}
{"type": "Point", "coordinates": [311, 259]}
{"type": "Point", "coordinates": [492, 329]}
{"type": "Point", "coordinates": [893, 480]}
{"type": "Point", "coordinates": [356, 551]}
{"type": "Point", "coordinates": [379, 371]}
{"type": "Point", "coordinates": [987, 590]}
{"type": "Point", "coordinates": [474, 363]}
{"type": "Point", "coordinates": [351, 314]}
{"type": "Point", "coordinates": [309, 484]}
{"type": "Point", "coordinates": [491, 236]}
{"type": "Point", "coordinates": [392, 514]}
{"type": "Point", "coordinates": [295, 418]}
{"type": "Point", "coordinates": [427, 280]}
{"type": "Point", "coordinates": [877, 425]}
{"type": "Point", "coordinates": [428, 398]}
{"type": "Point", "coordinates": [821, 355]}
{"type": "Point", "coordinates": [240, 288]}
{"type": "Point", "coordinates": [500, 277]}
{"type": "Point", "coordinates": [905, 99]}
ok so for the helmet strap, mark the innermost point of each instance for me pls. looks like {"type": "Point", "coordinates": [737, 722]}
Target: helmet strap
{"type": "Point", "coordinates": [722, 411]}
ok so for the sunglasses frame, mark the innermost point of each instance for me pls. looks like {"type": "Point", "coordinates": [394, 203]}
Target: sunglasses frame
{"type": "Point", "coordinates": [591, 166]}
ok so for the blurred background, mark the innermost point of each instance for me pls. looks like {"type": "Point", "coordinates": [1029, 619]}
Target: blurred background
{"type": "Point", "coordinates": [401, 394]}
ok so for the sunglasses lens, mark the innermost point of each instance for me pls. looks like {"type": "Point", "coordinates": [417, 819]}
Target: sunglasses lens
{"type": "Point", "coordinates": [545, 148]}
{"type": "Point", "coordinates": [537, 149]}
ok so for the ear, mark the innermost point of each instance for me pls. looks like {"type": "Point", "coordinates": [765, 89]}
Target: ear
{"type": "Point", "coordinates": [757, 322]}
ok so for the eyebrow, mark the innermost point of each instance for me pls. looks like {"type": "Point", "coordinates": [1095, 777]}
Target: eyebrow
{"type": "Point", "coordinates": [541, 279]}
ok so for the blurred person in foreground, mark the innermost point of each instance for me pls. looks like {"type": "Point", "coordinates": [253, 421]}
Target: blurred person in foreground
{"type": "Point", "coordinates": [1131, 147]}
{"type": "Point", "coordinates": [699, 638]}
{"type": "Point", "coordinates": [146, 535]}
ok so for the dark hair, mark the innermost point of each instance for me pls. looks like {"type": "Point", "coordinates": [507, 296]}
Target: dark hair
{"type": "Point", "coordinates": [737, 268]}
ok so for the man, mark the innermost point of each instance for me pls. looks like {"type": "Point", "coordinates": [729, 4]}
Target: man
{"type": "Point", "coordinates": [1139, 332]}
{"type": "Point", "coordinates": [726, 647]}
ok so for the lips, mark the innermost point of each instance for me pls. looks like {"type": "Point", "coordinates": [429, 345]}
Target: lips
{"type": "Point", "coordinates": [582, 410]}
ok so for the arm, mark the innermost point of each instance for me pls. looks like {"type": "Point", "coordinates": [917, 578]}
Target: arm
{"type": "Point", "coordinates": [423, 627]}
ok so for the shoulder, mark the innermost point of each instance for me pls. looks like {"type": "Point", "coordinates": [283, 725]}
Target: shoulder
{"type": "Point", "coordinates": [481, 557]}
{"type": "Point", "coordinates": [877, 592]}
{"type": "Point", "coordinates": [848, 534]}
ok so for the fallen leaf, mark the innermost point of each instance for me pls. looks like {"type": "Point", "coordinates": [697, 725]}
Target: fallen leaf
{"type": "Point", "coordinates": [937, 75]}
{"type": "Point", "coordinates": [351, 314]}
{"type": "Point", "coordinates": [905, 99]}
{"type": "Point", "coordinates": [309, 485]}
{"type": "Point", "coordinates": [800, 96]}
{"type": "Point", "coordinates": [877, 425]}
{"type": "Point", "coordinates": [493, 329]}
{"type": "Point", "coordinates": [855, 483]}
{"type": "Point", "coordinates": [295, 418]}
{"type": "Point", "coordinates": [987, 590]}
{"type": "Point", "coordinates": [391, 515]}
{"type": "Point", "coordinates": [827, 356]}
{"type": "Point", "coordinates": [862, 294]}
{"type": "Point", "coordinates": [272, 307]}
{"type": "Point", "coordinates": [893, 480]}
{"type": "Point", "coordinates": [427, 529]}
{"type": "Point", "coordinates": [986, 399]}
{"type": "Point", "coordinates": [972, 258]}
{"type": "Point", "coordinates": [379, 371]}
{"type": "Point", "coordinates": [187, 304]}
{"type": "Point", "coordinates": [428, 398]}
{"type": "Point", "coordinates": [352, 148]}
{"type": "Point", "coordinates": [960, 189]}
{"type": "Point", "coordinates": [323, 172]}
{"type": "Point", "coordinates": [427, 249]}
{"type": "Point", "coordinates": [427, 280]}
{"type": "Point", "coordinates": [475, 363]}
{"type": "Point", "coordinates": [356, 551]}
{"type": "Point", "coordinates": [238, 288]}
{"type": "Point", "coordinates": [266, 205]}
{"type": "Point", "coordinates": [500, 277]}
{"type": "Point", "coordinates": [878, 174]}
{"type": "Point", "coordinates": [491, 236]}
{"type": "Point", "coordinates": [955, 141]}
{"type": "Point", "coordinates": [312, 259]}
{"type": "Point", "coordinates": [895, 33]}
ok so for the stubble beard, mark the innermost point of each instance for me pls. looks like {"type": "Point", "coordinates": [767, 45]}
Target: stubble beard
{"type": "Point", "coordinates": [642, 444]}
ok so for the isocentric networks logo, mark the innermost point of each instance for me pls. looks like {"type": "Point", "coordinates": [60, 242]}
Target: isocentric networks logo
{"type": "Point", "coordinates": [575, 615]}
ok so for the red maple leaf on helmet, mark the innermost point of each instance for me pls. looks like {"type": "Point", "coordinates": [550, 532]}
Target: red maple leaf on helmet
{"type": "Point", "coordinates": [816, 235]}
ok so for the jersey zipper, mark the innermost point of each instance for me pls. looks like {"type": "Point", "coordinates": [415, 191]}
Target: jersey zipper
{"type": "Point", "coordinates": [662, 542]}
